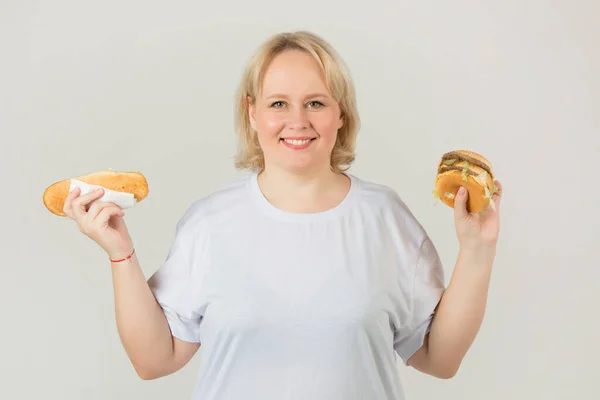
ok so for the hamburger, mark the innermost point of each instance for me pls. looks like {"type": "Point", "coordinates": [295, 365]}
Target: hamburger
{"type": "Point", "coordinates": [473, 171]}
{"type": "Point", "coordinates": [130, 183]}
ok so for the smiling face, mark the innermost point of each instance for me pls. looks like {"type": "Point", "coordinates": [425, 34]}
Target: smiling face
{"type": "Point", "coordinates": [295, 115]}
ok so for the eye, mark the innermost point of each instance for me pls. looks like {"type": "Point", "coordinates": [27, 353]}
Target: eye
{"type": "Point", "coordinates": [274, 105]}
{"type": "Point", "coordinates": [316, 104]}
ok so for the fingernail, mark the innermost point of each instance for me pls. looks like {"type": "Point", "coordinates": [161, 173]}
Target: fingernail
{"type": "Point", "coordinates": [461, 191]}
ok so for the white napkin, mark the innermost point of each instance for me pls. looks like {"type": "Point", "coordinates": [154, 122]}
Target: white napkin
{"type": "Point", "coordinates": [123, 200]}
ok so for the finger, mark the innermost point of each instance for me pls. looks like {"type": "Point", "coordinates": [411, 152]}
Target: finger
{"type": "Point", "coordinates": [460, 204]}
{"type": "Point", "coordinates": [497, 197]}
{"type": "Point", "coordinates": [69, 201]}
{"type": "Point", "coordinates": [106, 213]}
{"type": "Point", "coordinates": [96, 207]}
{"type": "Point", "coordinates": [80, 204]}
{"type": "Point", "coordinates": [499, 186]}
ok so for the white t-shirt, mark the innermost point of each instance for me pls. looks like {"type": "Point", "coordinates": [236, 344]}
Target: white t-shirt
{"type": "Point", "coordinates": [300, 306]}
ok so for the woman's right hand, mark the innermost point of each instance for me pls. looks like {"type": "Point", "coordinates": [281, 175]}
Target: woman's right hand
{"type": "Point", "coordinates": [102, 222]}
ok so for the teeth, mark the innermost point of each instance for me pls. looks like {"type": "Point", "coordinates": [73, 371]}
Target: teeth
{"type": "Point", "coordinates": [297, 142]}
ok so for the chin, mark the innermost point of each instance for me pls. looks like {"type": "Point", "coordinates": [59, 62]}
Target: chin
{"type": "Point", "coordinates": [300, 166]}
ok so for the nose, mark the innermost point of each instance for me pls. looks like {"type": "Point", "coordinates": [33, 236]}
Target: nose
{"type": "Point", "coordinates": [298, 119]}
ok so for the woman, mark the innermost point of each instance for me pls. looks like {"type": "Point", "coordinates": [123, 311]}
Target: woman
{"type": "Point", "coordinates": [299, 280]}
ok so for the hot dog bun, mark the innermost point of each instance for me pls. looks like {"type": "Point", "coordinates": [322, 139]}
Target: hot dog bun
{"type": "Point", "coordinates": [465, 168]}
{"type": "Point", "coordinates": [128, 182]}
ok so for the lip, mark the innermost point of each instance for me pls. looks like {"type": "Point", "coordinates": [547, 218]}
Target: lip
{"type": "Point", "coordinates": [297, 146]}
{"type": "Point", "coordinates": [298, 137]}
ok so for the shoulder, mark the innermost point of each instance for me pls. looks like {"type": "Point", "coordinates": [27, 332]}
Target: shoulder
{"type": "Point", "coordinates": [220, 204]}
{"type": "Point", "coordinates": [388, 203]}
{"type": "Point", "coordinates": [381, 197]}
{"type": "Point", "coordinates": [378, 193]}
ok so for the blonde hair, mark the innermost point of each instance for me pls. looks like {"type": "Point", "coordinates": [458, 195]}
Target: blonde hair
{"type": "Point", "coordinates": [338, 80]}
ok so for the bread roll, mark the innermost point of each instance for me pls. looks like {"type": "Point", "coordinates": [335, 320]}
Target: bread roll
{"type": "Point", "coordinates": [127, 182]}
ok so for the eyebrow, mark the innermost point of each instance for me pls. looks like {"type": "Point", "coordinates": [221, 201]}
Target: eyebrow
{"type": "Point", "coordinates": [281, 95]}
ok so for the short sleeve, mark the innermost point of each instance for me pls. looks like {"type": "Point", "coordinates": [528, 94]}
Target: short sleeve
{"type": "Point", "coordinates": [177, 283]}
{"type": "Point", "coordinates": [427, 288]}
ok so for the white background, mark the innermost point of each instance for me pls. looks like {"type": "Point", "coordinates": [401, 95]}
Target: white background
{"type": "Point", "coordinates": [148, 86]}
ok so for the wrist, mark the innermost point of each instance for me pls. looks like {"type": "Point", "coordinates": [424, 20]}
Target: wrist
{"type": "Point", "coordinates": [121, 255]}
{"type": "Point", "coordinates": [480, 254]}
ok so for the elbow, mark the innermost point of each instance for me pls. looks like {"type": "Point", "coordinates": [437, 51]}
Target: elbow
{"type": "Point", "coordinates": [147, 373]}
{"type": "Point", "coordinates": [147, 376]}
{"type": "Point", "coordinates": [445, 372]}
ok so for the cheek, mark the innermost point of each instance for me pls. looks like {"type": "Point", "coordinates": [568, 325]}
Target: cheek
{"type": "Point", "coordinates": [327, 127]}
{"type": "Point", "coordinates": [268, 130]}
{"type": "Point", "coordinates": [270, 124]}
{"type": "Point", "coordinates": [274, 125]}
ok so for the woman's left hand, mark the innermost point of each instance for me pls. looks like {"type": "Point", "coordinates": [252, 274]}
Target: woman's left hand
{"type": "Point", "coordinates": [477, 230]}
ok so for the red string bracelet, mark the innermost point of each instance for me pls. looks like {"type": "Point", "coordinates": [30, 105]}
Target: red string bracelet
{"type": "Point", "coordinates": [123, 259]}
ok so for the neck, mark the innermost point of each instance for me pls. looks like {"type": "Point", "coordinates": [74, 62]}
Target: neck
{"type": "Point", "coordinates": [310, 191]}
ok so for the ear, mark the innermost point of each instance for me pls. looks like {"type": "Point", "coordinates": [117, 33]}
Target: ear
{"type": "Point", "coordinates": [341, 121]}
{"type": "Point", "coordinates": [251, 111]}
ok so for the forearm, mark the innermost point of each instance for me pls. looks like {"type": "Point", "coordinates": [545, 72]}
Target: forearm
{"type": "Point", "coordinates": [461, 310]}
{"type": "Point", "coordinates": [141, 322]}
